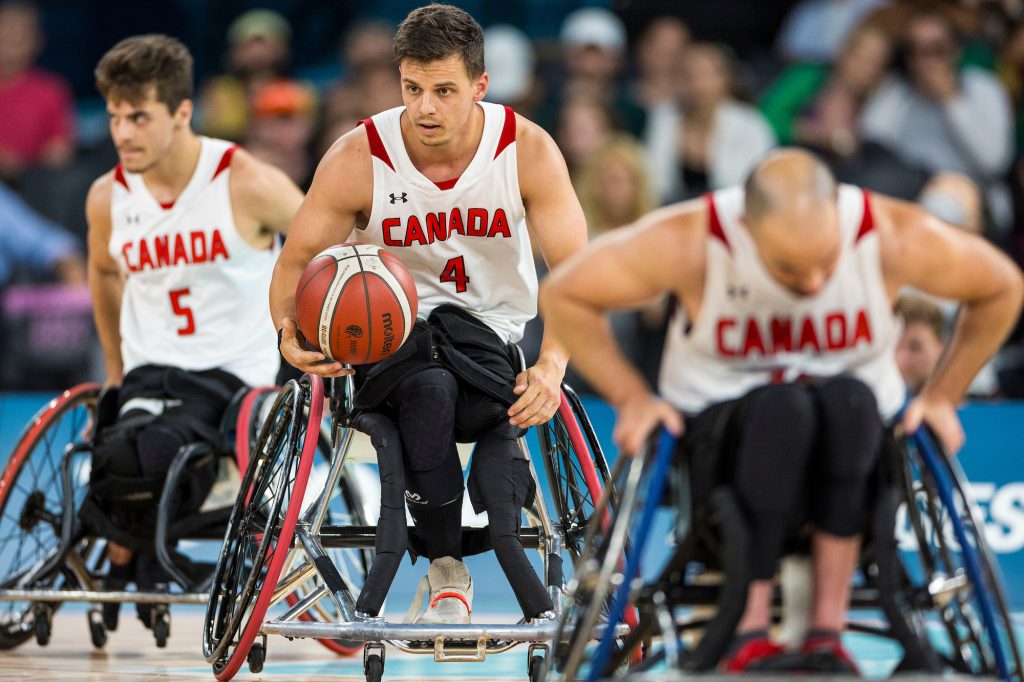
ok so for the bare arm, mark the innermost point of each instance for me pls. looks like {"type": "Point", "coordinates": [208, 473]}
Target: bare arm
{"type": "Point", "coordinates": [105, 280]}
{"type": "Point", "coordinates": [264, 195]}
{"type": "Point", "coordinates": [341, 192]}
{"type": "Point", "coordinates": [625, 269]}
{"type": "Point", "coordinates": [923, 252]}
{"type": "Point", "coordinates": [556, 221]}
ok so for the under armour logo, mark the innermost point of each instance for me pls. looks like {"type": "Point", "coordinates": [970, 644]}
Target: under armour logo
{"type": "Point", "coordinates": [399, 197]}
{"type": "Point", "coordinates": [133, 219]}
{"type": "Point", "coordinates": [734, 291]}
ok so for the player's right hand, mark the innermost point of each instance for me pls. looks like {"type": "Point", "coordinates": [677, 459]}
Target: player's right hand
{"type": "Point", "coordinates": [637, 417]}
{"type": "Point", "coordinates": [304, 360]}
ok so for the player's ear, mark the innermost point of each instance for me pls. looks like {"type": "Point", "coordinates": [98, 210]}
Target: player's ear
{"type": "Point", "coordinates": [480, 87]}
{"type": "Point", "coordinates": [183, 116]}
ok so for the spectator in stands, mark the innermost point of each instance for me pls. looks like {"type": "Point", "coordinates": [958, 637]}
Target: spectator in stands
{"type": "Point", "coordinates": [923, 339]}
{"type": "Point", "coordinates": [659, 58]}
{"type": "Point", "coordinates": [281, 129]}
{"type": "Point", "coordinates": [711, 139]}
{"type": "Point", "coordinates": [614, 187]}
{"type": "Point", "coordinates": [594, 60]}
{"type": "Point", "coordinates": [32, 243]}
{"type": "Point", "coordinates": [37, 123]}
{"type": "Point", "coordinates": [258, 52]}
{"type": "Point", "coordinates": [815, 30]}
{"type": "Point", "coordinates": [820, 107]}
{"type": "Point", "coordinates": [508, 56]}
{"type": "Point", "coordinates": [584, 125]}
{"type": "Point", "coordinates": [938, 119]}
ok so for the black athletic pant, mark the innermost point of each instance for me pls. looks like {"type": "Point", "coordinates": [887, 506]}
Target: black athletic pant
{"type": "Point", "coordinates": [793, 453]}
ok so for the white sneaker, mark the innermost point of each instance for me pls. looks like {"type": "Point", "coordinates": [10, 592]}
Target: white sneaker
{"type": "Point", "coordinates": [451, 594]}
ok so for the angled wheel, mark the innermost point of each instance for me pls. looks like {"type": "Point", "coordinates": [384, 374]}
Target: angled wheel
{"type": "Point", "coordinates": [578, 475]}
{"type": "Point", "coordinates": [952, 573]}
{"type": "Point", "coordinates": [262, 524]}
{"type": "Point", "coordinates": [33, 504]}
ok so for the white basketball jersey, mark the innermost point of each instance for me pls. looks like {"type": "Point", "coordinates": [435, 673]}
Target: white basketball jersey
{"type": "Point", "coordinates": [752, 331]}
{"type": "Point", "coordinates": [195, 293]}
{"type": "Point", "coordinates": [464, 240]}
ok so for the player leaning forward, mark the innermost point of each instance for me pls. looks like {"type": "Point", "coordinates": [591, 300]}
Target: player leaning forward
{"type": "Point", "coordinates": [784, 342]}
{"type": "Point", "coordinates": [445, 182]}
{"type": "Point", "coordinates": [181, 243]}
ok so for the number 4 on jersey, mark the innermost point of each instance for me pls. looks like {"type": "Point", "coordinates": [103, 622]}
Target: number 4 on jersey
{"type": "Point", "coordinates": [455, 271]}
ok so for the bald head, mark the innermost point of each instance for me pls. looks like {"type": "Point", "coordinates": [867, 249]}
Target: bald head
{"type": "Point", "coordinates": [792, 182]}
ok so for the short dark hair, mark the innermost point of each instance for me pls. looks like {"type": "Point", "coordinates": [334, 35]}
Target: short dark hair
{"type": "Point", "coordinates": [130, 68]}
{"type": "Point", "coordinates": [920, 310]}
{"type": "Point", "coordinates": [437, 32]}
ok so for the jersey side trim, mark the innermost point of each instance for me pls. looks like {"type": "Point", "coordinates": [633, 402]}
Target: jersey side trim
{"type": "Point", "coordinates": [376, 144]}
{"type": "Point", "coordinates": [120, 178]}
{"type": "Point", "coordinates": [508, 131]}
{"type": "Point", "coordinates": [714, 224]}
{"type": "Point", "coordinates": [867, 222]}
{"type": "Point", "coordinates": [225, 161]}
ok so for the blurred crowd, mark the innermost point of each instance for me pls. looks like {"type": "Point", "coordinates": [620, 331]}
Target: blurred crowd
{"type": "Point", "coordinates": [920, 100]}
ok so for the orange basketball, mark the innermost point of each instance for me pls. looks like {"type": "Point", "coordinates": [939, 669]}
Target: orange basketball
{"type": "Point", "coordinates": [356, 303]}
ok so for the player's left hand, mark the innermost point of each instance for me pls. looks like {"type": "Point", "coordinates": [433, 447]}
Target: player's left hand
{"type": "Point", "coordinates": [940, 414]}
{"type": "Point", "coordinates": [540, 391]}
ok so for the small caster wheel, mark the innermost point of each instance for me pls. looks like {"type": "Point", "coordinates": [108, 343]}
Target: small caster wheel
{"type": "Point", "coordinates": [97, 628]}
{"type": "Point", "coordinates": [373, 666]}
{"type": "Point", "coordinates": [257, 654]}
{"type": "Point", "coordinates": [537, 668]}
{"type": "Point", "coordinates": [161, 627]}
{"type": "Point", "coordinates": [42, 626]}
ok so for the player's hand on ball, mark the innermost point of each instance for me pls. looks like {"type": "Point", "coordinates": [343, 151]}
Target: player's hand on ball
{"type": "Point", "coordinates": [298, 356]}
{"type": "Point", "coordinates": [540, 391]}
{"type": "Point", "coordinates": [940, 414]}
{"type": "Point", "coordinates": [636, 418]}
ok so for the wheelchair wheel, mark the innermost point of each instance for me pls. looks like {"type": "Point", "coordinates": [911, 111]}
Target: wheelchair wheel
{"type": "Point", "coordinates": [33, 504]}
{"type": "Point", "coordinates": [345, 509]}
{"type": "Point", "coordinates": [954, 575]}
{"type": "Point", "coordinates": [262, 524]}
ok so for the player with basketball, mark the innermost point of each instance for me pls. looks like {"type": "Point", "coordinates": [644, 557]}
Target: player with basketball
{"type": "Point", "coordinates": [445, 183]}
{"type": "Point", "coordinates": [182, 240]}
{"type": "Point", "coordinates": [781, 356]}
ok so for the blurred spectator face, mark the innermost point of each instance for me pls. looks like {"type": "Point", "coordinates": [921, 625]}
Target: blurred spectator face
{"type": "Point", "coordinates": [595, 42]}
{"type": "Point", "coordinates": [865, 59]}
{"type": "Point", "coordinates": [613, 187]}
{"type": "Point", "coordinates": [368, 43]}
{"type": "Point", "coordinates": [706, 77]}
{"type": "Point", "coordinates": [144, 132]}
{"type": "Point", "coordinates": [379, 88]}
{"type": "Point", "coordinates": [661, 48]}
{"type": "Point", "coordinates": [584, 126]}
{"type": "Point", "coordinates": [20, 38]}
{"type": "Point", "coordinates": [618, 187]}
{"type": "Point", "coordinates": [931, 47]}
{"type": "Point", "coordinates": [439, 97]}
{"type": "Point", "coordinates": [258, 42]}
{"type": "Point", "coordinates": [282, 126]}
{"type": "Point", "coordinates": [917, 353]}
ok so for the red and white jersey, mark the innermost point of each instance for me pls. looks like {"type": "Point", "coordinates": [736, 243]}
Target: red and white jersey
{"type": "Point", "coordinates": [464, 240]}
{"type": "Point", "coordinates": [752, 331]}
{"type": "Point", "coordinates": [195, 292]}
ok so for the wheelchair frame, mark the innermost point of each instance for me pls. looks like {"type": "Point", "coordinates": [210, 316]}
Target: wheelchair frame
{"type": "Point", "coordinates": [929, 481]}
{"type": "Point", "coordinates": [307, 557]}
{"type": "Point", "coordinates": [67, 571]}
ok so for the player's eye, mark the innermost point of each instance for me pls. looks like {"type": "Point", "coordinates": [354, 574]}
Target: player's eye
{"type": "Point", "coordinates": [412, 89]}
{"type": "Point", "coordinates": [444, 91]}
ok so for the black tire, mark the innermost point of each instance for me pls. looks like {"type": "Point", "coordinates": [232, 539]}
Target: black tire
{"type": "Point", "coordinates": [256, 657]}
{"type": "Point", "coordinates": [42, 626]}
{"type": "Point", "coordinates": [161, 628]}
{"type": "Point", "coordinates": [32, 502]}
{"type": "Point", "coordinates": [255, 526]}
{"type": "Point", "coordinates": [373, 667]}
{"type": "Point", "coordinates": [941, 562]}
{"type": "Point", "coordinates": [97, 630]}
{"type": "Point", "coordinates": [537, 668]}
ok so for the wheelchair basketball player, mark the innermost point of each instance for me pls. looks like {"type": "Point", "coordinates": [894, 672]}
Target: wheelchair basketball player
{"type": "Point", "coordinates": [445, 182]}
{"type": "Point", "coordinates": [781, 357]}
{"type": "Point", "coordinates": [182, 241]}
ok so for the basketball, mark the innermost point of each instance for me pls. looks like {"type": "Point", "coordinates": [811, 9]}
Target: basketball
{"type": "Point", "coordinates": [356, 303]}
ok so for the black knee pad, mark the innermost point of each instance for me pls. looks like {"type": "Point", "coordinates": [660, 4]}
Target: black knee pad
{"type": "Point", "coordinates": [156, 446]}
{"type": "Point", "coordinates": [425, 403]}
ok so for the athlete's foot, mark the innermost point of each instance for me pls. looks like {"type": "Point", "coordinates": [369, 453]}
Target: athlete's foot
{"type": "Point", "coordinates": [750, 651]}
{"type": "Point", "coordinates": [823, 651]}
{"type": "Point", "coordinates": [451, 593]}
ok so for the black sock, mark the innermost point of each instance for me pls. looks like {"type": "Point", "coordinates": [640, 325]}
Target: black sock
{"type": "Point", "coordinates": [440, 529]}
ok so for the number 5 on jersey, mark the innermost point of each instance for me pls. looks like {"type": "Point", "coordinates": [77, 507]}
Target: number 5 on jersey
{"type": "Point", "coordinates": [183, 311]}
{"type": "Point", "coordinates": [455, 271]}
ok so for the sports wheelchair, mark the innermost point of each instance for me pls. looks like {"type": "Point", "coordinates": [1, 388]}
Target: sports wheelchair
{"type": "Point", "coordinates": [943, 603]}
{"type": "Point", "coordinates": [50, 555]}
{"type": "Point", "coordinates": [280, 538]}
